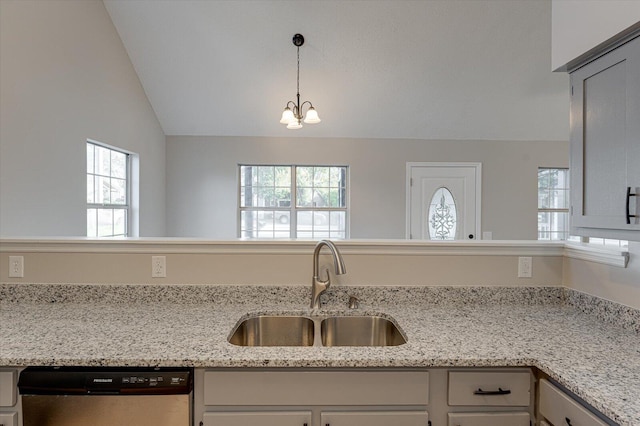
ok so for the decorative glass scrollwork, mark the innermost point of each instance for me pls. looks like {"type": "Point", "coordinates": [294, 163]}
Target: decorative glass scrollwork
{"type": "Point", "coordinates": [442, 216]}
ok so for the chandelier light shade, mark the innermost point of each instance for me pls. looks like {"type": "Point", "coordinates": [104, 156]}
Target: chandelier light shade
{"type": "Point", "coordinates": [293, 114]}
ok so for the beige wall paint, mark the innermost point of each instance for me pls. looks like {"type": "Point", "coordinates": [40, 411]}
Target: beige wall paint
{"type": "Point", "coordinates": [65, 77]}
{"type": "Point", "coordinates": [621, 285]}
{"type": "Point", "coordinates": [290, 263]}
{"type": "Point", "coordinates": [282, 269]}
{"type": "Point", "coordinates": [202, 179]}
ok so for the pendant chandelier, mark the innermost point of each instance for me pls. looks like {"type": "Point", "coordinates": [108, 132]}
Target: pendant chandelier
{"type": "Point", "coordinates": [292, 115]}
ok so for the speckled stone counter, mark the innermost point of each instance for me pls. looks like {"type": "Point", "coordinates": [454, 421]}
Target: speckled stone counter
{"type": "Point", "coordinates": [591, 350]}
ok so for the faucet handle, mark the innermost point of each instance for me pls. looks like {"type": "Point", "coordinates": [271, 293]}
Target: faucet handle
{"type": "Point", "coordinates": [328, 275]}
{"type": "Point", "coordinates": [354, 302]}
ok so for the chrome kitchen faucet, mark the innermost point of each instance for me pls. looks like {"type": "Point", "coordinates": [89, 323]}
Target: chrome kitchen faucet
{"type": "Point", "coordinates": [317, 285]}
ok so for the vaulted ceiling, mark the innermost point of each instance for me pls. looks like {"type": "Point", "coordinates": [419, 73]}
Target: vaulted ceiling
{"type": "Point", "coordinates": [423, 69]}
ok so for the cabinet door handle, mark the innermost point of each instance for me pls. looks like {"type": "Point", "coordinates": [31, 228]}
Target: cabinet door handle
{"type": "Point", "coordinates": [500, 391]}
{"type": "Point", "coordinates": [629, 195]}
{"type": "Point", "coordinates": [568, 420]}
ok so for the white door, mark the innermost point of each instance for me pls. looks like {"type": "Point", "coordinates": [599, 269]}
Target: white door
{"type": "Point", "coordinates": [443, 201]}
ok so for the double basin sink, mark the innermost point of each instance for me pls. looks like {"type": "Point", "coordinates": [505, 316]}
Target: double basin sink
{"type": "Point", "coordinates": [294, 330]}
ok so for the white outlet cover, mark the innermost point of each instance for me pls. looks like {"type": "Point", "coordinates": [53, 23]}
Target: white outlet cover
{"type": "Point", "coordinates": [525, 267]}
{"type": "Point", "coordinates": [158, 267]}
{"type": "Point", "coordinates": [16, 266]}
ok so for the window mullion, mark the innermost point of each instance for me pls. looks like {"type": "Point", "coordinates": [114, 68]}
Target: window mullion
{"type": "Point", "coordinates": [293, 221]}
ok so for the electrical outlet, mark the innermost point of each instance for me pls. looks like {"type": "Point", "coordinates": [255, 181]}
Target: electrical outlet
{"type": "Point", "coordinates": [525, 267]}
{"type": "Point", "coordinates": [158, 267]}
{"type": "Point", "coordinates": [16, 266]}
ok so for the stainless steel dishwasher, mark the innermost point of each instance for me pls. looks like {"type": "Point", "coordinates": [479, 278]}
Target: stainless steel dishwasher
{"type": "Point", "coordinates": [74, 396]}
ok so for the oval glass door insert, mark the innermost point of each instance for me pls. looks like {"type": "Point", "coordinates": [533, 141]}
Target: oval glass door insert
{"type": "Point", "coordinates": [442, 217]}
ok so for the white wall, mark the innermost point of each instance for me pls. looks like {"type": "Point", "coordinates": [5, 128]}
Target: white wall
{"type": "Point", "coordinates": [578, 26]}
{"type": "Point", "coordinates": [202, 179]}
{"type": "Point", "coordinates": [65, 77]}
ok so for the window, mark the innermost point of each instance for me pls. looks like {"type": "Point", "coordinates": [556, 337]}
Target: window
{"type": "Point", "coordinates": [293, 201]}
{"type": "Point", "coordinates": [553, 204]}
{"type": "Point", "coordinates": [442, 216]}
{"type": "Point", "coordinates": [108, 198]}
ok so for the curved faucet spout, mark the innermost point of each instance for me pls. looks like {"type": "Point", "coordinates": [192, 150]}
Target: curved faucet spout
{"type": "Point", "coordinates": [317, 285]}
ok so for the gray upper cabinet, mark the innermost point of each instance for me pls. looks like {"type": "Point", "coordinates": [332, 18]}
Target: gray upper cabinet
{"type": "Point", "coordinates": [605, 145]}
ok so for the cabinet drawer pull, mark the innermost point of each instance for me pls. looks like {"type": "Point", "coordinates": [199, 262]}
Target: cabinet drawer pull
{"type": "Point", "coordinates": [629, 195]}
{"type": "Point", "coordinates": [568, 420]}
{"type": "Point", "coordinates": [500, 391]}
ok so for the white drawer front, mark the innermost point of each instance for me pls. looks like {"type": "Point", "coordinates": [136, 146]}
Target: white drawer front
{"type": "Point", "coordinates": [316, 387]}
{"type": "Point", "coordinates": [8, 393]}
{"type": "Point", "coordinates": [277, 418]}
{"type": "Point", "coordinates": [490, 388]}
{"type": "Point", "coordinates": [377, 418]}
{"type": "Point", "coordinates": [556, 406]}
{"type": "Point", "coordinates": [489, 419]}
{"type": "Point", "coordinates": [9, 419]}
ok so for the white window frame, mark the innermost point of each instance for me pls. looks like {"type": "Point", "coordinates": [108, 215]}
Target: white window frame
{"type": "Point", "coordinates": [555, 210]}
{"type": "Point", "coordinates": [293, 209]}
{"type": "Point", "coordinates": [127, 207]}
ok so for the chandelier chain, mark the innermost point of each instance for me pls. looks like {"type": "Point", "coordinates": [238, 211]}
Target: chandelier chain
{"type": "Point", "coordinates": [298, 79]}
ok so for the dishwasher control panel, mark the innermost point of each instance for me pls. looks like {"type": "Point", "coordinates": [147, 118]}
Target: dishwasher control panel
{"type": "Point", "coordinates": [137, 380]}
{"type": "Point", "coordinates": [105, 380]}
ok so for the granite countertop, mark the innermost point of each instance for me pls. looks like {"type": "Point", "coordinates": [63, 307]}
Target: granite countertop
{"type": "Point", "coordinates": [182, 325]}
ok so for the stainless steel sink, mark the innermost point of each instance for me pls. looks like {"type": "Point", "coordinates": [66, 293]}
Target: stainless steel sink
{"type": "Point", "coordinates": [293, 330]}
{"type": "Point", "coordinates": [360, 331]}
{"type": "Point", "coordinates": [267, 330]}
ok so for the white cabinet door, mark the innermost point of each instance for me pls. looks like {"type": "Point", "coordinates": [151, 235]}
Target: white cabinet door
{"type": "Point", "coordinates": [263, 418]}
{"type": "Point", "coordinates": [8, 389]}
{"type": "Point", "coordinates": [560, 409]}
{"type": "Point", "coordinates": [605, 144]}
{"type": "Point", "coordinates": [489, 419]}
{"type": "Point", "coordinates": [9, 419]}
{"type": "Point", "coordinates": [375, 418]}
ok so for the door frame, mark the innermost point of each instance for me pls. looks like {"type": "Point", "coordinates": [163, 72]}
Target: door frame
{"type": "Point", "coordinates": [478, 175]}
